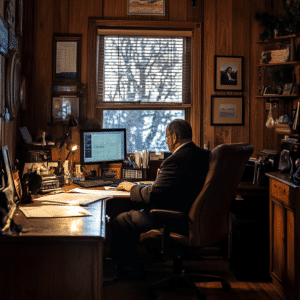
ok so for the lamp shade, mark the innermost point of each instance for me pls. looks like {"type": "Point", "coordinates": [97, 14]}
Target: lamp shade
{"type": "Point", "coordinates": [72, 146]}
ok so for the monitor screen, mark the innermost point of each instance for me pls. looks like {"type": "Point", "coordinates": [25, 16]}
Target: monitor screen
{"type": "Point", "coordinates": [103, 145]}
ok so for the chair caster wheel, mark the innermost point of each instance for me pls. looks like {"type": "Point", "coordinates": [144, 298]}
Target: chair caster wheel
{"type": "Point", "coordinates": [226, 286]}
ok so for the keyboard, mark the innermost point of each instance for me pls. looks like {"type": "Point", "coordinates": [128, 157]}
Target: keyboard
{"type": "Point", "coordinates": [92, 183]}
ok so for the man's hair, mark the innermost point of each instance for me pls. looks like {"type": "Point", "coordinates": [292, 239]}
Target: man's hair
{"type": "Point", "coordinates": [182, 129]}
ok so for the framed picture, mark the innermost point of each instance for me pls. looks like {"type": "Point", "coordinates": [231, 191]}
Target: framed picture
{"type": "Point", "coordinates": [146, 7]}
{"type": "Point", "coordinates": [227, 110]}
{"type": "Point", "coordinates": [229, 73]}
{"type": "Point", "coordinates": [66, 59]}
{"type": "Point", "coordinates": [63, 107]}
{"type": "Point", "coordinates": [287, 90]}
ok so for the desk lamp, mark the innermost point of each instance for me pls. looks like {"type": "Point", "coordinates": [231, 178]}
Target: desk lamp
{"type": "Point", "coordinates": [61, 141]}
{"type": "Point", "coordinates": [72, 147]}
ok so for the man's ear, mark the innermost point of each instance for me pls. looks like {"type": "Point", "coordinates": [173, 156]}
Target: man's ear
{"type": "Point", "coordinates": [174, 138]}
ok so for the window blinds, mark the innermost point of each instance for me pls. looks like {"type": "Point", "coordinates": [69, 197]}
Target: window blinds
{"type": "Point", "coordinates": [143, 69]}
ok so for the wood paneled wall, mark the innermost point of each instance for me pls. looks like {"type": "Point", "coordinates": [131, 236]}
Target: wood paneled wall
{"type": "Point", "coordinates": [228, 26]}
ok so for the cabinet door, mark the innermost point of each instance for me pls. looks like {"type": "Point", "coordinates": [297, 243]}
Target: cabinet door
{"type": "Point", "coordinates": [290, 255]}
{"type": "Point", "coordinates": [278, 255]}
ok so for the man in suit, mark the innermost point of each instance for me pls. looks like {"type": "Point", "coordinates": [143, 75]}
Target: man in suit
{"type": "Point", "coordinates": [178, 183]}
{"type": "Point", "coordinates": [228, 77]}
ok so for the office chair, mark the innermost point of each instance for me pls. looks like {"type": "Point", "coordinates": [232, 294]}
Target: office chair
{"type": "Point", "coordinates": [208, 218]}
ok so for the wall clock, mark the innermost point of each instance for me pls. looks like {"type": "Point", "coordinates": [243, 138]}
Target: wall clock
{"type": "Point", "coordinates": [13, 84]}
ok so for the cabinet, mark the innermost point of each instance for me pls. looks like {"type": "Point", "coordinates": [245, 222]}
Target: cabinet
{"type": "Point", "coordinates": [284, 235]}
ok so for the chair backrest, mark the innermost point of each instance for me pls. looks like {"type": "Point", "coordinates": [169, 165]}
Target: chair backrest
{"type": "Point", "coordinates": [208, 216]}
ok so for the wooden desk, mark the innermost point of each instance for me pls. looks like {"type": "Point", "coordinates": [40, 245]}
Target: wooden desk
{"type": "Point", "coordinates": [54, 259]}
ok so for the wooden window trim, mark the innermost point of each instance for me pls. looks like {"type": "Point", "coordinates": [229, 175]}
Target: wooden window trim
{"type": "Point", "coordinates": [194, 115]}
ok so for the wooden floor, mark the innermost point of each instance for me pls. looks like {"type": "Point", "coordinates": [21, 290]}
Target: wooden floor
{"type": "Point", "coordinates": [240, 290]}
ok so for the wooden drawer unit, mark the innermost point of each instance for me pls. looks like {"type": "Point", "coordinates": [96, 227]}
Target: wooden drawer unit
{"type": "Point", "coordinates": [282, 192]}
{"type": "Point", "coordinates": [284, 235]}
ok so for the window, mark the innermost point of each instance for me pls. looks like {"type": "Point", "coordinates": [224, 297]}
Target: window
{"type": "Point", "coordinates": [143, 82]}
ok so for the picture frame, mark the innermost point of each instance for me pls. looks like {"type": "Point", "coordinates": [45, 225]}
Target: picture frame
{"type": "Point", "coordinates": [287, 90]}
{"type": "Point", "coordinates": [145, 7]}
{"type": "Point", "coordinates": [229, 73]}
{"type": "Point", "coordinates": [227, 110]}
{"type": "Point", "coordinates": [63, 107]}
{"type": "Point", "coordinates": [67, 59]}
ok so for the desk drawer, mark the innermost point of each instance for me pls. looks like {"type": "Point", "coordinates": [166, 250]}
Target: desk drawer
{"type": "Point", "coordinates": [282, 192]}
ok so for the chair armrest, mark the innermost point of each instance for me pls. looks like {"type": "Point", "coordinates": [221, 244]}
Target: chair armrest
{"type": "Point", "coordinates": [163, 213]}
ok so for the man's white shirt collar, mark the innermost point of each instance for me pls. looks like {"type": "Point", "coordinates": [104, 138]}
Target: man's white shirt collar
{"type": "Point", "coordinates": [181, 146]}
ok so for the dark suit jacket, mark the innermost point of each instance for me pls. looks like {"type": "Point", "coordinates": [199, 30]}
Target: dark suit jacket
{"type": "Point", "coordinates": [225, 79]}
{"type": "Point", "coordinates": [179, 181]}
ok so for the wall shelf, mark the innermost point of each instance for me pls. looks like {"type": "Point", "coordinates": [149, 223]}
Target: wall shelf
{"type": "Point", "coordinates": [278, 39]}
{"type": "Point", "coordinates": [277, 96]}
{"type": "Point", "coordinates": [291, 63]}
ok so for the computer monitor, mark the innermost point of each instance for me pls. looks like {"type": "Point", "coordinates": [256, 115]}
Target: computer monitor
{"type": "Point", "coordinates": [102, 146]}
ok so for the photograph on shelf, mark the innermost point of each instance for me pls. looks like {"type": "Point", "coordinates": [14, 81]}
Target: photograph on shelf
{"type": "Point", "coordinates": [227, 110]}
{"type": "Point", "coordinates": [146, 7]}
{"type": "Point", "coordinates": [288, 87]}
{"type": "Point", "coordinates": [229, 73]}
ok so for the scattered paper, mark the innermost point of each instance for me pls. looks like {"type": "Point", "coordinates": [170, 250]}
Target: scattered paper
{"type": "Point", "coordinates": [71, 198]}
{"type": "Point", "coordinates": [102, 193]}
{"type": "Point", "coordinates": [51, 211]}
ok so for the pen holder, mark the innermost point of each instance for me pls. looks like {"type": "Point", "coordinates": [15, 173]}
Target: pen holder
{"type": "Point", "coordinates": [61, 180]}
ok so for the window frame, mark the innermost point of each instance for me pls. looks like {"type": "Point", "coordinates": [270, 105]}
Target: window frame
{"type": "Point", "coordinates": [192, 109]}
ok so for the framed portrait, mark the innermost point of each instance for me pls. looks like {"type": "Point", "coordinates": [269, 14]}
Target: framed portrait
{"type": "Point", "coordinates": [146, 7]}
{"type": "Point", "coordinates": [227, 110]}
{"type": "Point", "coordinates": [66, 59]}
{"type": "Point", "coordinates": [229, 73]}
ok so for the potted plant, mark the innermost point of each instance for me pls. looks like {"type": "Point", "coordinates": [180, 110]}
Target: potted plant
{"type": "Point", "coordinates": [268, 22]}
{"type": "Point", "coordinates": [286, 24]}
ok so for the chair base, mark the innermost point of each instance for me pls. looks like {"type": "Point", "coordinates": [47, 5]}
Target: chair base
{"type": "Point", "coordinates": [187, 280]}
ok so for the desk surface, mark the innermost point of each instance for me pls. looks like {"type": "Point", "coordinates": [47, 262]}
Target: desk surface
{"type": "Point", "coordinates": [71, 227]}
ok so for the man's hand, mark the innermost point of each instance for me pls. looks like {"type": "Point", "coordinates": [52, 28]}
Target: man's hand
{"type": "Point", "coordinates": [125, 186]}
